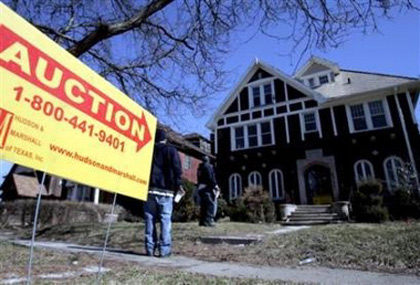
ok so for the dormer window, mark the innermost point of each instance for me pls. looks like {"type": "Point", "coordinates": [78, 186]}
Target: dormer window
{"type": "Point", "coordinates": [323, 79]}
{"type": "Point", "coordinates": [311, 82]}
{"type": "Point", "coordinates": [262, 94]}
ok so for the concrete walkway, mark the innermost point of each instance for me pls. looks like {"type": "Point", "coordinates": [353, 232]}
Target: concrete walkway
{"type": "Point", "coordinates": [308, 274]}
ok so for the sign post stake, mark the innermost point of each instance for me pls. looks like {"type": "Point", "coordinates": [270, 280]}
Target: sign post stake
{"type": "Point", "coordinates": [38, 203]}
{"type": "Point", "coordinates": [106, 238]}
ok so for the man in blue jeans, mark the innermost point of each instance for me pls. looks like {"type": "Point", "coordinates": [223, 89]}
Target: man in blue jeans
{"type": "Point", "coordinates": [165, 180]}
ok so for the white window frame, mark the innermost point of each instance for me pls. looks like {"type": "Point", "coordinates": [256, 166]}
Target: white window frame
{"type": "Point", "coordinates": [303, 125]}
{"type": "Point", "coordinates": [392, 159]}
{"type": "Point", "coordinates": [368, 116]}
{"type": "Point", "coordinates": [364, 164]}
{"type": "Point", "coordinates": [257, 175]}
{"type": "Point", "coordinates": [328, 72]}
{"type": "Point", "coordinates": [311, 82]}
{"type": "Point", "coordinates": [260, 84]}
{"type": "Point", "coordinates": [235, 186]}
{"type": "Point", "coordinates": [186, 162]}
{"type": "Point", "coordinates": [276, 191]}
{"type": "Point", "coordinates": [316, 118]}
{"type": "Point", "coordinates": [246, 137]}
{"type": "Point", "coordinates": [323, 75]}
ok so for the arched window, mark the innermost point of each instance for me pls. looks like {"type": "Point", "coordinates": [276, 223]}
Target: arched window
{"type": "Point", "coordinates": [235, 186]}
{"type": "Point", "coordinates": [275, 178]}
{"type": "Point", "coordinates": [391, 166]}
{"type": "Point", "coordinates": [254, 179]}
{"type": "Point", "coordinates": [363, 170]}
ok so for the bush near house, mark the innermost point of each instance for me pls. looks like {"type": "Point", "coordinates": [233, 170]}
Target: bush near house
{"type": "Point", "coordinates": [367, 203]}
{"type": "Point", "coordinates": [403, 205]}
{"type": "Point", "coordinates": [21, 213]}
{"type": "Point", "coordinates": [186, 210]}
{"type": "Point", "coordinates": [253, 206]}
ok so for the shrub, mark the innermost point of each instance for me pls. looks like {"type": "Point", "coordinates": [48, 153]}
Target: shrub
{"type": "Point", "coordinates": [368, 203]}
{"type": "Point", "coordinates": [254, 206]}
{"type": "Point", "coordinates": [186, 210]}
{"type": "Point", "coordinates": [222, 208]}
{"type": "Point", "coordinates": [403, 205]}
{"type": "Point", "coordinates": [21, 212]}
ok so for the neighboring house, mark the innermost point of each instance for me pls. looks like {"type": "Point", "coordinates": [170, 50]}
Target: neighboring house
{"type": "Point", "coordinates": [22, 183]}
{"type": "Point", "coordinates": [312, 137]}
{"type": "Point", "coordinates": [191, 149]}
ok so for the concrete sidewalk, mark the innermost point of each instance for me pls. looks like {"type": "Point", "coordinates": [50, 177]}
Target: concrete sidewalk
{"type": "Point", "coordinates": [308, 274]}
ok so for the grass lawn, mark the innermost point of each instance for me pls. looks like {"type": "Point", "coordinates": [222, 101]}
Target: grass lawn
{"type": "Point", "coordinates": [13, 262]}
{"type": "Point", "coordinates": [388, 247]}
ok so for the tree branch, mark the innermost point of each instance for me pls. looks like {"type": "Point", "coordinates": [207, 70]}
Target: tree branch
{"type": "Point", "coordinates": [104, 31]}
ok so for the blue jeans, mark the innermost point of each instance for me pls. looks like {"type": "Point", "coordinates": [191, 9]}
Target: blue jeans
{"type": "Point", "coordinates": [158, 208]}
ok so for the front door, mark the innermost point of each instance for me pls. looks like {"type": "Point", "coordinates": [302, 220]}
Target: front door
{"type": "Point", "coordinates": [318, 185]}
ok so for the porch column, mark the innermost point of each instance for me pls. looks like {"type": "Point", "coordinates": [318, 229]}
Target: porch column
{"type": "Point", "coordinates": [96, 196]}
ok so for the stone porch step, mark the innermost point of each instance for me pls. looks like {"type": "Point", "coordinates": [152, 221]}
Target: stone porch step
{"type": "Point", "coordinates": [313, 218]}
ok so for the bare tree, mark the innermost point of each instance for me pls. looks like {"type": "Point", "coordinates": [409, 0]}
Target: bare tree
{"type": "Point", "coordinates": [165, 52]}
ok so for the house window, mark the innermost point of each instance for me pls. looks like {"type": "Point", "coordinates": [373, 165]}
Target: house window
{"type": "Point", "coordinates": [311, 82]}
{"type": "Point", "coordinates": [186, 162]}
{"type": "Point", "coordinates": [256, 96]}
{"type": "Point", "coordinates": [391, 166]}
{"type": "Point", "coordinates": [368, 116]}
{"type": "Point", "coordinates": [358, 116]}
{"type": "Point", "coordinates": [254, 135]}
{"type": "Point", "coordinates": [262, 94]}
{"type": "Point", "coordinates": [239, 138]}
{"type": "Point", "coordinates": [363, 170]}
{"type": "Point", "coordinates": [235, 186]}
{"type": "Point", "coordinates": [377, 114]}
{"type": "Point", "coordinates": [268, 94]}
{"type": "Point", "coordinates": [323, 79]}
{"type": "Point", "coordinates": [254, 179]}
{"type": "Point", "coordinates": [310, 123]}
{"type": "Point", "coordinates": [276, 184]}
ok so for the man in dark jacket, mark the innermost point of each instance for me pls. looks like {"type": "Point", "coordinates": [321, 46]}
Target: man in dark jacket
{"type": "Point", "coordinates": [165, 180]}
{"type": "Point", "coordinates": [207, 187]}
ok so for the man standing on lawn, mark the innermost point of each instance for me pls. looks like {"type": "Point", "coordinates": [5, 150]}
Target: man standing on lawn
{"type": "Point", "coordinates": [208, 191]}
{"type": "Point", "coordinates": [165, 180]}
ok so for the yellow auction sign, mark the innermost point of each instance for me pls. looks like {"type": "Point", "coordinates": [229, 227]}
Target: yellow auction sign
{"type": "Point", "coordinates": [59, 116]}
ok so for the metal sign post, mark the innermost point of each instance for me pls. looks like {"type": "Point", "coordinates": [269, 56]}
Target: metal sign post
{"type": "Point", "coordinates": [38, 203]}
{"type": "Point", "coordinates": [98, 276]}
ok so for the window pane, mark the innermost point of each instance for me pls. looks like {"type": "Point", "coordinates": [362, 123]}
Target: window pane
{"type": "Point", "coordinates": [323, 79]}
{"type": "Point", "coordinates": [379, 121]}
{"type": "Point", "coordinates": [310, 122]}
{"type": "Point", "coordinates": [311, 82]}
{"type": "Point", "coordinates": [266, 133]}
{"type": "Point", "coordinates": [252, 130]}
{"type": "Point", "coordinates": [266, 127]}
{"type": "Point", "coordinates": [239, 138]}
{"type": "Point", "coordinates": [239, 132]}
{"type": "Point", "coordinates": [377, 113]}
{"type": "Point", "coordinates": [239, 143]}
{"type": "Point", "coordinates": [253, 141]}
{"type": "Point", "coordinates": [358, 116]}
{"type": "Point", "coordinates": [268, 94]}
{"type": "Point", "coordinates": [256, 96]}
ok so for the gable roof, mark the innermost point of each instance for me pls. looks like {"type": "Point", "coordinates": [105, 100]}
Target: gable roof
{"type": "Point", "coordinates": [352, 83]}
{"type": "Point", "coordinates": [255, 65]}
{"type": "Point", "coordinates": [314, 61]}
